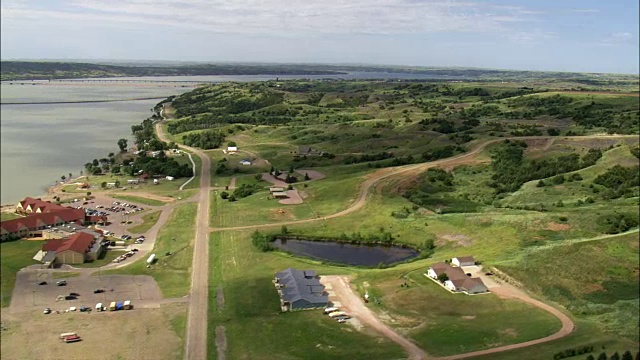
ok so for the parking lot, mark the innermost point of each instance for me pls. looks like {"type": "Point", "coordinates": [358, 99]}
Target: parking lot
{"type": "Point", "coordinates": [27, 294]}
{"type": "Point", "coordinates": [117, 212]}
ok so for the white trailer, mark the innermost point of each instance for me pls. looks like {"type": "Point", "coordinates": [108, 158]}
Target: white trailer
{"type": "Point", "coordinates": [151, 259]}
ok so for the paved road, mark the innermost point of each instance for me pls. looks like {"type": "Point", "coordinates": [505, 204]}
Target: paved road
{"type": "Point", "coordinates": [196, 336]}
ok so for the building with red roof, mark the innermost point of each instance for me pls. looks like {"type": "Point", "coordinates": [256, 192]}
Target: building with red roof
{"type": "Point", "coordinates": [41, 215]}
{"type": "Point", "coordinates": [75, 249]}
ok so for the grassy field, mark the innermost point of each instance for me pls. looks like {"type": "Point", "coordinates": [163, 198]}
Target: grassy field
{"type": "Point", "coordinates": [172, 272]}
{"type": "Point", "coordinates": [8, 216]}
{"type": "Point", "coordinates": [139, 200]}
{"type": "Point", "coordinates": [443, 323]}
{"type": "Point", "coordinates": [322, 197]}
{"type": "Point", "coordinates": [15, 255]}
{"type": "Point", "coordinates": [149, 220]}
{"type": "Point", "coordinates": [251, 302]}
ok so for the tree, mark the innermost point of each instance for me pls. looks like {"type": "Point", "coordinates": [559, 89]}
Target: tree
{"type": "Point", "coordinates": [95, 162]}
{"type": "Point", "coordinates": [615, 356]}
{"type": "Point", "coordinates": [590, 357]}
{"type": "Point", "coordinates": [306, 177]}
{"type": "Point", "coordinates": [258, 177]}
{"type": "Point", "coordinates": [284, 230]}
{"type": "Point", "coordinates": [232, 143]}
{"type": "Point", "coordinates": [224, 195]}
{"type": "Point", "coordinates": [117, 183]}
{"type": "Point", "coordinates": [70, 175]}
{"type": "Point", "coordinates": [88, 193]}
{"type": "Point", "coordinates": [627, 355]}
{"type": "Point", "coordinates": [103, 185]}
{"type": "Point", "coordinates": [603, 356]}
{"type": "Point", "coordinates": [122, 144]}
{"type": "Point", "coordinates": [443, 277]}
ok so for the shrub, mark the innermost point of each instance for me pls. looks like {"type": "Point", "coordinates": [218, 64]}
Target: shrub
{"type": "Point", "coordinates": [224, 195]}
{"type": "Point", "coordinates": [261, 241]}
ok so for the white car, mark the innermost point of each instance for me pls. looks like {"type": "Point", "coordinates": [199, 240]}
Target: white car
{"type": "Point", "coordinates": [47, 311]}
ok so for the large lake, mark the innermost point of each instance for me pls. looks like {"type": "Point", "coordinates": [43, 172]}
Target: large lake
{"type": "Point", "coordinates": [40, 143]}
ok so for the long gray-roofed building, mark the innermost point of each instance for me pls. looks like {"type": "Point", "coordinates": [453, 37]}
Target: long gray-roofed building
{"type": "Point", "coordinates": [300, 290]}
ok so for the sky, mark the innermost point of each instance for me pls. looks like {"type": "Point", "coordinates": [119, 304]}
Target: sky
{"type": "Point", "coordinates": [557, 35]}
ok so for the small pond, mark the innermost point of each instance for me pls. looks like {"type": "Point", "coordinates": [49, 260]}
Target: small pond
{"type": "Point", "coordinates": [349, 254]}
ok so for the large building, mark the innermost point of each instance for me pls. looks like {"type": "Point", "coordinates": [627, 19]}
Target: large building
{"type": "Point", "coordinates": [75, 249]}
{"type": "Point", "coordinates": [300, 290]}
{"type": "Point", "coordinates": [41, 215]}
{"type": "Point", "coordinates": [456, 280]}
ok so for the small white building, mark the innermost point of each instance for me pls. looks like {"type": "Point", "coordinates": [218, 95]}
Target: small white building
{"type": "Point", "coordinates": [111, 184]}
{"type": "Point", "coordinates": [133, 181]}
{"type": "Point", "coordinates": [170, 178]}
{"type": "Point", "coordinates": [232, 149]}
{"type": "Point", "coordinates": [463, 261]}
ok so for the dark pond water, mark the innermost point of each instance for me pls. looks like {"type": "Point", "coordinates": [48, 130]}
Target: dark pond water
{"type": "Point", "coordinates": [346, 253]}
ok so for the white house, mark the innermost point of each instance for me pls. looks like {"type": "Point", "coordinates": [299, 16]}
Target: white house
{"type": "Point", "coordinates": [468, 285]}
{"type": "Point", "coordinates": [463, 261]}
{"type": "Point", "coordinates": [232, 149]}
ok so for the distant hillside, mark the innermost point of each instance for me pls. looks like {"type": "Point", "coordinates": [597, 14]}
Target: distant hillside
{"type": "Point", "coordinates": [39, 70]}
{"type": "Point", "coordinates": [24, 70]}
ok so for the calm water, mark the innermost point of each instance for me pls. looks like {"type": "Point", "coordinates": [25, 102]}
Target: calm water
{"type": "Point", "coordinates": [346, 253]}
{"type": "Point", "coordinates": [40, 143]}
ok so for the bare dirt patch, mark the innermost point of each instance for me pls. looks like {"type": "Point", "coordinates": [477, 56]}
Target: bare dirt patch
{"type": "Point", "coordinates": [459, 239]}
{"type": "Point", "coordinates": [554, 226]}
{"type": "Point", "coordinates": [273, 180]}
{"type": "Point", "coordinates": [468, 317]}
{"type": "Point", "coordinates": [294, 198]}
{"type": "Point", "coordinates": [221, 342]}
{"type": "Point", "coordinates": [508, 332]}
{"type": "Point", "coordinates": [593, 288]}
{"type": "Point", "coordinates": [313, 175]}
{"type": "Point", "coordinates": [281, 214]}
{"type": "Point", "coordinates": [132, 334]}
{"type": "Point", "coordinates": [220, 298]}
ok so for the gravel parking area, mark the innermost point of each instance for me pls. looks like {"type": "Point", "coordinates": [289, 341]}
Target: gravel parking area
{"type": "Point", "coordinates": [27, 294]}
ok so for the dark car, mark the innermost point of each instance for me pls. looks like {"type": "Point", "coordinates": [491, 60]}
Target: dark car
{"type": "Point", "coordinates": [42, 283]}
{"type": "Point", "coordinates": [74, 294]}
{"type": "Point", "coordinates": [69, 297]}
{"type": "Point", "coordinates": [98, 291]}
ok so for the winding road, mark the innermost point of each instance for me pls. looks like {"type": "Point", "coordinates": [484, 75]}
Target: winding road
{"type": "Point", "coordinates": [196, 333]}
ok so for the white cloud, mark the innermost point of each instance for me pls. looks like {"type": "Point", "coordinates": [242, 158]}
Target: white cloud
{"type": "Point", "coordinates": [616, 39]}
{"type": "Point", "coordinates": [533, 36]}
{"type": "Point", "coordinates": [282, 17]}
{"type": "Point", "coordinates": [585, 11]}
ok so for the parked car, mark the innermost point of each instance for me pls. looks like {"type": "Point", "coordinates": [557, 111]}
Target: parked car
{"type": "Point", "coordinates": [61, 283]}
{"type": "Point", "coordinates": [47, 311]}
{"type": "Point", "coordinates": [70, 297]}
{"type": "Point", "coordinates": [98, 291]}
{"type": "Point", "coordinates": [42, 283]}
{"type": "Point", "coordinates": [74, 294]}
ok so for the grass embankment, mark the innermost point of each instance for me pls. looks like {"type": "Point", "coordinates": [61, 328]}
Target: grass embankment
{"type": "Point", "coordinates": [148, 221]}
{"type": "Point", "coordinates": [14, 256]}
{"type": "Point", "coordinates": [251, 302]}
{"type": "Point", "coordinates": [172, 272]}
{"type": "Point", "coordinates": [139, 200]}
{"type": "Point", "coordinates": [595, 280]}
{"type": "Point", "coordinates": [106, 259]}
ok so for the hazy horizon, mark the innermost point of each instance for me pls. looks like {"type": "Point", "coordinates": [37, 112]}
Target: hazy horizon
{"type": "Point", "coordinates": [545, 35]}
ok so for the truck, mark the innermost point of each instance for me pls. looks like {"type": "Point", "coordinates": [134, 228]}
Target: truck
{"type": "Point", "coordinates": [119, 306]}
{"type": "Point", "coordinates": [151, 259]}
{"type": "Point", "coordinates": [99, 307]}
{"type": "Point", "coordinates": [72, 338]}
{"type": "Point", "coordinates": [120, 243]}
{"type": "Point", "coordinates": [64, 335]}
{"type": "Point", "coordinates": [127, 305]}
{"type": "Point", "coordinates": [112, 306]}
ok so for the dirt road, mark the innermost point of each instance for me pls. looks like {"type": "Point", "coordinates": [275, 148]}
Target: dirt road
{"type": "Point", "coordinates": [357, 309]}
{"type": "Point", "coordinates": [509, 291]}
{"type": "Point", "coordinates": [196, 335]}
